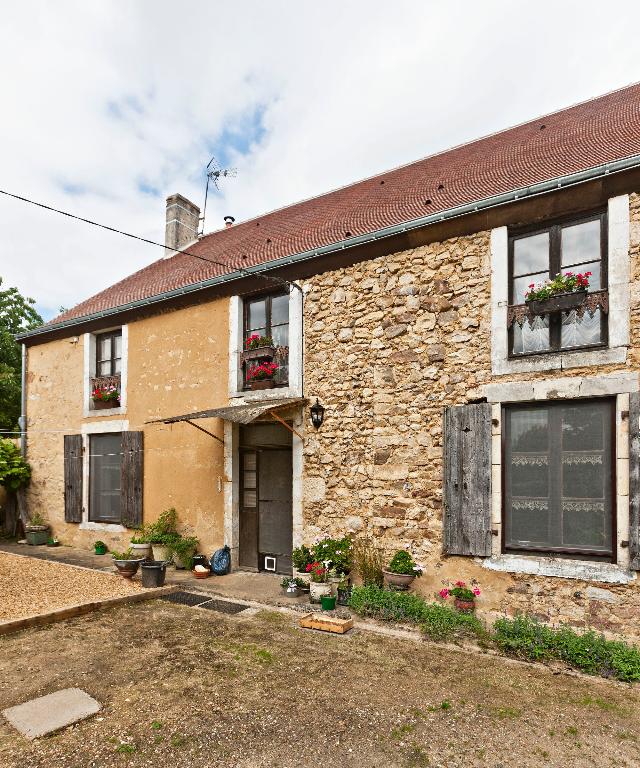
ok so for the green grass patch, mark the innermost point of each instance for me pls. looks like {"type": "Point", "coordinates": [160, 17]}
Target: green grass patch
{"type": "Point", "coordinates": [436, 620]}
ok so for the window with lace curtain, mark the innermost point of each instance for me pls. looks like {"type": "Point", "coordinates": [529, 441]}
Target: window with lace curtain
{"type": "Point", "coordinates": [577, 246]}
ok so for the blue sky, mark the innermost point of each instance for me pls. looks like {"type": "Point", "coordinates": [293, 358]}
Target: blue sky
{"type": "Point", "coordinates": [113, 106]}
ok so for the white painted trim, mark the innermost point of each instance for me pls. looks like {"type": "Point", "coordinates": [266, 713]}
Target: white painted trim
{"type": "Point", "coordinates": [297, 475]}
{"type": "Point", "coordinates": [232, 490]}
{"type": "Point", "coordinates": [618, 572]}
{"type": "Point", "coordinates": [89, 370]}
{"type": "Point", "coordinates": [566, 569]}
{"type": "Point", "coordinates": [236, 327]}
{"type": "Point", "coordinates": [568, 388]}
{"type": "Point", "coordinates": [96, 428]}
{"type": "Point", "coordinates": [619, 303]}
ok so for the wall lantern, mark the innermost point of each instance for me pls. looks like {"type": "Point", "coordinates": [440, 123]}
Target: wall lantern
{"type": "Point", "coordinates": [317, 414]}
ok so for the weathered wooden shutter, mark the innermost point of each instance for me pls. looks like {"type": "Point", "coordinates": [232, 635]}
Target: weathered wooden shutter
{"type": "Point", "coordinates": [634, 481]}
{"type": "Point", "coordinates": [131, 479]}
{"type": "Point", "coordinates": [467, 480]}
{"type": "Point", "coordinates": [73, 478]}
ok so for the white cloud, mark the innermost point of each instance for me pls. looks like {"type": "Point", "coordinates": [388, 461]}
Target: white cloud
{"type": "Point", "coordinates": [104, 100]}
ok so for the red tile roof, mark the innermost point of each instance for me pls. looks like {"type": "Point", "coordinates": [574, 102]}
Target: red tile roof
{"type": "Point", "coordinates": [580, 137]}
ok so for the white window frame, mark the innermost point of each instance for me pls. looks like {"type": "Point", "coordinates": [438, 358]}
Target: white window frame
{"type": "Point", "coordinates": [618, 218]}
{"type": "Point", "coordinates": [236, 332]}
{"type": "Point", "coordinates": [89, 341]}
{"type": "Point", "coordinates": [86, 430]}
{"type": "Point", "coordinates": [570, 388]}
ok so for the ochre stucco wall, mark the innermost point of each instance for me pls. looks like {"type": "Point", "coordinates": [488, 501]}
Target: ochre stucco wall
{"type": "Point", "coordinates": [177, 363]}
{"type": "Point", "coordinates": [388, 344]}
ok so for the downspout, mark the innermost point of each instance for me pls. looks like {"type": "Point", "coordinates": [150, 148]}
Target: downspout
{"type": "Point", "coordinates": [22, 421]}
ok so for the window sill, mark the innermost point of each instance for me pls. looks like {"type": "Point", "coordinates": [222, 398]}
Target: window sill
{"type": "Point", "coordinates": [583, 570]}
{"type": "Point", "coordinates": [95, 414]}
{"type": "Point", "coordinates": [553, 361]}
{"type": "Point", "coordinates": [277, 393]}
{"type": "Point", "coordinates": [104, 527]}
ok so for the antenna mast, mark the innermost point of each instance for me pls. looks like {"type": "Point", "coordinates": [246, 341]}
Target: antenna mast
{"type": "Point", "coordinates": [214, 174]}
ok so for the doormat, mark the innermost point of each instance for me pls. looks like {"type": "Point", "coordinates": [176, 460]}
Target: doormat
{"type": "Point", "coordinates": [196, 600]}
{"type": "Point", "coordinates": [186, 598]}
{"type": "Point", "coordinates": [224, 607]}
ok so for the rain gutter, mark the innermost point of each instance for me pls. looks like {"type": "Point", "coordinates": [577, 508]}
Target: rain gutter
{"type": "Point", "coordinates": [522, 193]}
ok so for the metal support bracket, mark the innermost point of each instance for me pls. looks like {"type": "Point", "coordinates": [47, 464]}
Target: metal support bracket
{"type": "Point", "coordinates": [284, 423]}
{"type": "Point", "coordinates": [206, 431]}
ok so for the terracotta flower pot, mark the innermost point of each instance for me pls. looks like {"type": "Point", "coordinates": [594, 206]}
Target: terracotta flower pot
{"type": "Point", "coordinates": [464, 606]}
{"type": "Point", "coordinates": [399, 580]}
{"type": "Point", "coordinates": [262, 384]}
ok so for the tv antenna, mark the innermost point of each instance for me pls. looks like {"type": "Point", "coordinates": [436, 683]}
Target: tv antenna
{"type": "Point", "coordinates": [214, 174]}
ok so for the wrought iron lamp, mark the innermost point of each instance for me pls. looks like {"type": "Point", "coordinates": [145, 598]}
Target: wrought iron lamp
{"type": "Point", "coordinates": [317, 414]}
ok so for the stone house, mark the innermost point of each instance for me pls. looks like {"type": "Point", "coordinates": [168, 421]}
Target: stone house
{"type": "Point", "coordinates": [497, 445]}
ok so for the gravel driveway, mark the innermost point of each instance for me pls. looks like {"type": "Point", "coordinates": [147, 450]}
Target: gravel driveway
{"type": "Point", "coordinates": [29, 586]}
{"type": "Point", "coordinates": [188, 687]}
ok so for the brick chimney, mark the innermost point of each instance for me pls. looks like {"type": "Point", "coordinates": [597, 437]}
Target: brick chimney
{"type": "Point", "coordinates": [183, 218]}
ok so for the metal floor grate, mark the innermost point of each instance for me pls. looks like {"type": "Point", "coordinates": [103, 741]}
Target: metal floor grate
{"type": "Point", "coordinates": [196, 600]}
{"type": "Point", "coordinates": [224, 607]}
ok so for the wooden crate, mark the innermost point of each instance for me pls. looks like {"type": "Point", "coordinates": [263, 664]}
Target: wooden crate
{"type": "Point", "coordinates": [326, 623]}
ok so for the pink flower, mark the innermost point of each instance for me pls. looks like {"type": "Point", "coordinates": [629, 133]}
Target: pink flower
{"type": "Point", "coordinates": [444, 593]}
{"type": "Point", "coordinates": [476, 591]}
{"type": "Point", "coordinates": [459, 583]}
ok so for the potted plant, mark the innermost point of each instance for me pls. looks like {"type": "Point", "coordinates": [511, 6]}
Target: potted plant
{"type": "Point", "coordinates": [402, 570]}
{"type": "Point", "coordinates": [464, 597]}
{"type": "Point", "coordinates": [100, 548]}
{"type": "Point", "coordinates": [37, 530]}
{"type": "Point", "coordinates": [126, 565]}
{"type": "Point", "coordinates": [319, 581]}
{"type": "Point", "coordinates": [289, 586]}
{"type": "Point", "coordinates": [106, 396]}
{"type": "Point", "coordinates": [162, 534]}
{"type": "Point", "coordinates": [140, 547]}
{"type": "Point", "coordinates": [344, 591]}
{"type": "Point", "coordinates": [301, 558]}
{"type": "Point", "coordinates": [184, 548]}
{"type": "Point", "coordinates": [328, 602]}
{"type": "Point", "coordinates": [339, 554]}
{"type": "Point", "coordinates": [201, 571]}
{"type": "Point", "coordinates": [260, 376]}
{"type": "Point", "coordinates": [562, 294]}
{"type": "Point", "coordinates": [258, 347]}
{"type": "Point", "coordinates": [52, 542]}
{"type": "Point", "coordinates": [303, 585]}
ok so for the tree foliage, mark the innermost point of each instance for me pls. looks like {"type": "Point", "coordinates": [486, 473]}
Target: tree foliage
{"type": "Point", "coordinates": [14, 470]}
{"type": "Point", "coordinates": [17, 314]}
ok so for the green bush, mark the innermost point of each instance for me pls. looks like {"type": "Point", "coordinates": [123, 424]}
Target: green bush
{"type": "Point", "coordinates": [339, 551]}
{"type": "Point", "coordinates": [14, 470]}
{"type": "Point", "coordinates": [436, 620]}
{"type": "Point", "coordinates": [590, 652]}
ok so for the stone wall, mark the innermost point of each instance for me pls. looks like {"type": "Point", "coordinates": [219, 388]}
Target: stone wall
{"type": "Point", "coordinates": [388, 344]}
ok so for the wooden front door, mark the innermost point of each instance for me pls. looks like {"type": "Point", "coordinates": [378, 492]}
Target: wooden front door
{"type": "Point", "coordinates": [266, 525]}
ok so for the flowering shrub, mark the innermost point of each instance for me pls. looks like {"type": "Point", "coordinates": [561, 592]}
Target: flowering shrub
{"type": "Point", "coordinates": [255, 340]}
{"type": "Point", "coordinates": [14, 470]}
{"type": "Point", "coordinates": [319, 574]}
{"type": "Point", "coordinates": [261, 372]}
{"type": "Point", "coordinates": [461, 591]}
{"type": "Point", "coordinates": [336, 551]}
{"type": "Point", "coordinates": [567, 283]}
{"type": "Point", "coordinates": [404, 564]}
{"type": "Point", "coordinates": [106, 394]}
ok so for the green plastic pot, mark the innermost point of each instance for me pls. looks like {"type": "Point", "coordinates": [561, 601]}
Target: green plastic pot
{"type": "Point", "coordinates": [328, 602]}
{"type": "Point", "coordinates": [101, 550]}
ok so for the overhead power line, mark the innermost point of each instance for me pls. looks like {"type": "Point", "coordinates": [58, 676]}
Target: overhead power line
{"type": "Point", "coordinates": [245, 272]}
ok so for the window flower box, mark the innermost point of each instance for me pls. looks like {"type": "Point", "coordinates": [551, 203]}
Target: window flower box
{"type": "Point", "coordinates": [259, 353]}
{"type": "Point", "coordinates": [262, 384]}
{"type": "Point", "coordinates": [100, 405]}
{"type": "Point", "coordinates": [561, 302]}
{"type": "Point", "coordinates": [260, 376]}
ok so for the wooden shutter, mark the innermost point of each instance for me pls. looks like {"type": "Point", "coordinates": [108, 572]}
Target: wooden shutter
{"type": "Point", "coordinates": [131, 479]}
{"type": "Point", "coordinates": [73, 478]}
{"type": "Point", "coordinates": [467, 480]}
{"type": "Point", "coordinates": [634, 481]}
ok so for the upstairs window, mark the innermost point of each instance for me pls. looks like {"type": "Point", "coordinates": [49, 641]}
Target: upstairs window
{"type": "Point", "coordinates": [576, 246]}
{"type": "Point", "coordinates": [268, 316]}
{"type": "Point", "coordinates": [109, 353]}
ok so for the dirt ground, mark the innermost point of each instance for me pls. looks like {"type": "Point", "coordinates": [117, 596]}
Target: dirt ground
{"type": "Point", "coordinates": [187, 687]}
{"type": "Point", "coordinates": [29, 586]}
